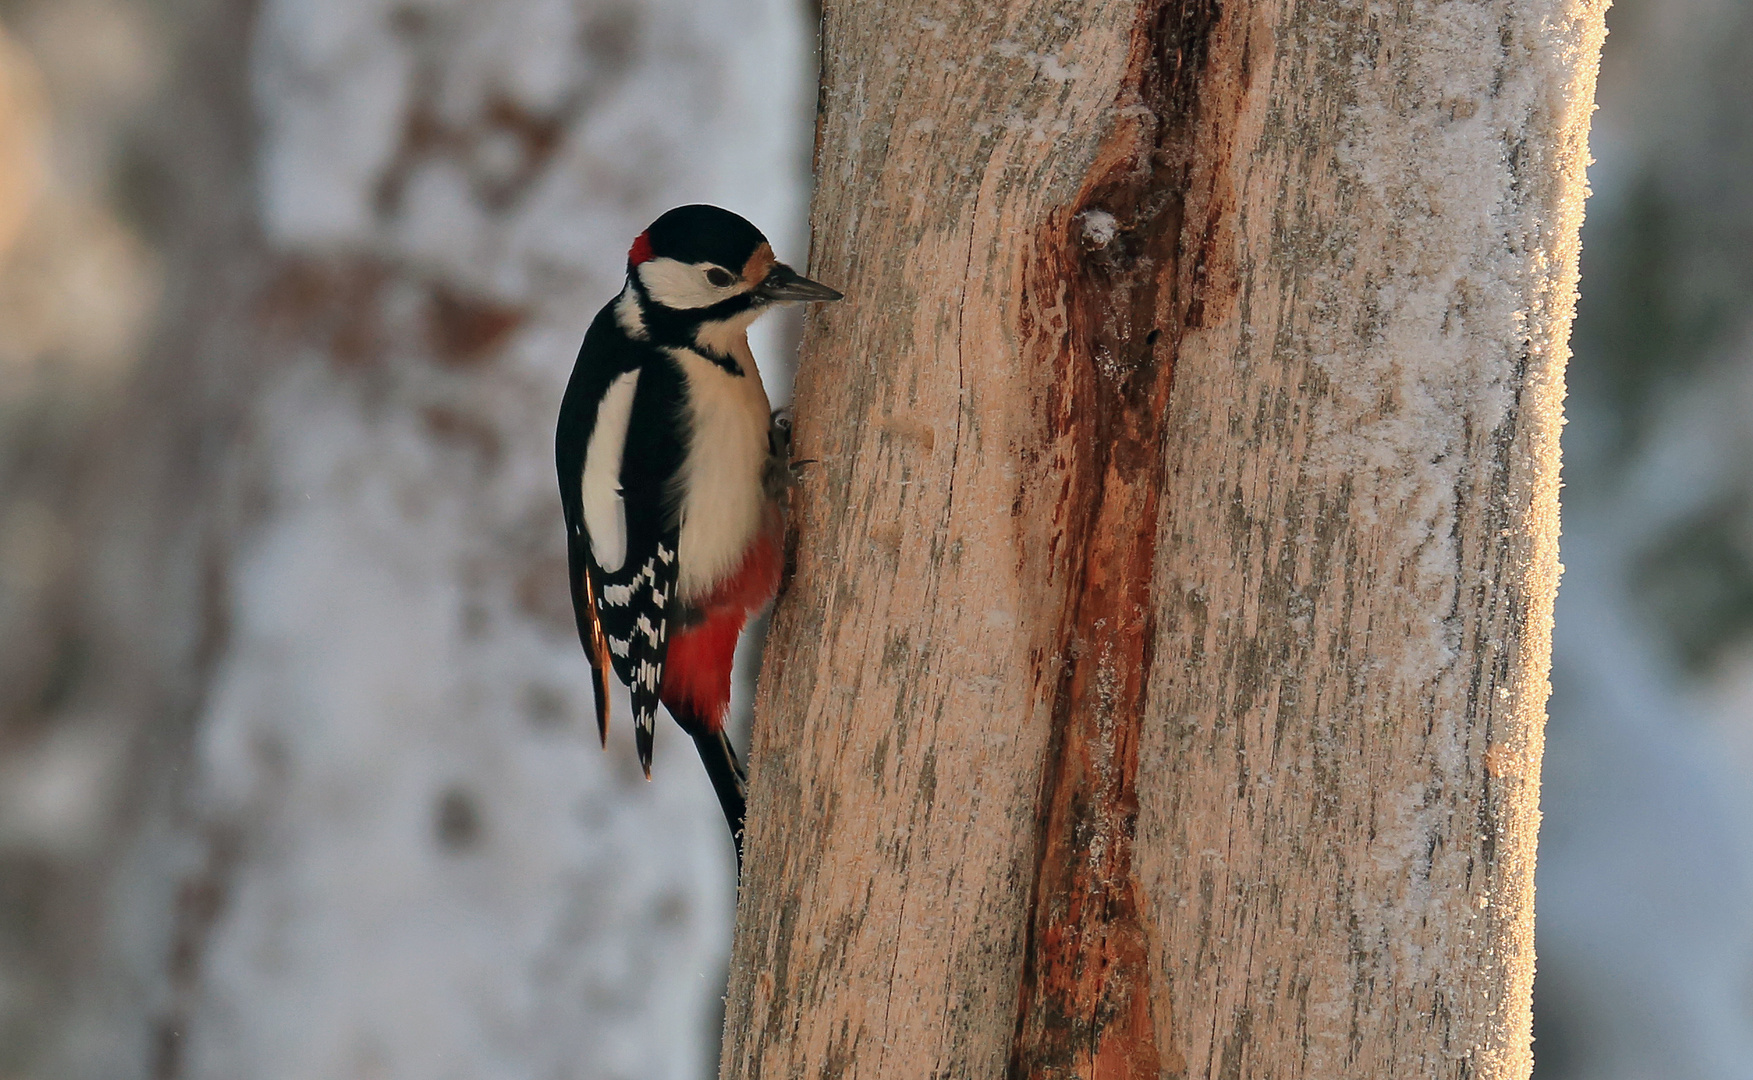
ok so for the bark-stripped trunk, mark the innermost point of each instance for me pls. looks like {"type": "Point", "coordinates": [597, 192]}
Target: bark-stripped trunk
{"type": "Point", "coordinates": [1160, 690]}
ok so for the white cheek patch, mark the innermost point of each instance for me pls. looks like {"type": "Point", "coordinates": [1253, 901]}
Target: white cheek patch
{"type": "Point", "coordinates": [605, 514]}
{"type": "Point", "coordinates": [683, 286]}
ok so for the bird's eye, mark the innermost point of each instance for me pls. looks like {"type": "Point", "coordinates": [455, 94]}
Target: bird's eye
{"type": "Point", "coordinates": [720, 278]}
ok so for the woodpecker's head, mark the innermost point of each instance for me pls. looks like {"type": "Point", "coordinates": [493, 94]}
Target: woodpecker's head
{"type": "Point", "coordinates": [700, 275]}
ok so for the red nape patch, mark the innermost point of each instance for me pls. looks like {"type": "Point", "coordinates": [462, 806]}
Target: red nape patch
{"type": "Point", "coordinates": [696, 671]}
{"type": "Point", "coordinates": [640, 251]}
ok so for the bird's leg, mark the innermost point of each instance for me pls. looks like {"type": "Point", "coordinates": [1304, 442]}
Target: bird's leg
{"type": "Point", "coordinates": [780, 475]}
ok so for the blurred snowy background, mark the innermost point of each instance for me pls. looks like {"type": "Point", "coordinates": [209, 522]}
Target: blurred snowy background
{"type": "Point", "coordinates": [297, 778]}
{"type": "Point", "coordinates": [1645, 884]}
{"type": "Point", "coordinates": [297, 775]}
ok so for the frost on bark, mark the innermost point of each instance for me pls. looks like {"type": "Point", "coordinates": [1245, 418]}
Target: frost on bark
{"type": "Point", "coordinates": [1161, 688]}
{"type": "Point", "coordinates": [366, 830]}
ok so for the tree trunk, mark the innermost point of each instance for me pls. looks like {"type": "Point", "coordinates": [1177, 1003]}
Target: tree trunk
{"type": "Point", "coordinates": [1160, 690]}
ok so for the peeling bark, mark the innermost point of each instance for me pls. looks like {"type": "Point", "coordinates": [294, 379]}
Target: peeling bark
{"type": "Point", "coordinates": [1160, 690]}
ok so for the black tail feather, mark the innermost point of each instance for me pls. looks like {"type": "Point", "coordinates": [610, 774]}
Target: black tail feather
{"type": "Point", "coordinates": [590, 634]}
{"type": "Point", "coordinates": [599, 684]}
{"type": "Point", "coordinates": [643, 737]}
{"type": "Point", "coordinates": [729, 780]}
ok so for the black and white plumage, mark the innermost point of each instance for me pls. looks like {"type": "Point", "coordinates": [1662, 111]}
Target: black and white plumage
{"type": "Point", "coordinates": [664, 452]}
{"type": "Point", "coordinates": [622, 528]}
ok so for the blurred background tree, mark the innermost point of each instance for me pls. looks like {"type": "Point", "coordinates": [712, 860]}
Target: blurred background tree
{"type": "Point", "coordinates": [1645, 922]}
{"type": "Point", "coordinates": [295, 775]}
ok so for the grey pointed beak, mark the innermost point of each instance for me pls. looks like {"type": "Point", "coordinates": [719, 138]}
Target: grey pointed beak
{"type": "Point", "coordinates": [784, 283]}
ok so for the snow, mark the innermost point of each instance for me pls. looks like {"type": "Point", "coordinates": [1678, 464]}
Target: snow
{"type": "Point", "coordinates": [1099, 227]}
{"type": "Point", "coordinates": [1460, 167]}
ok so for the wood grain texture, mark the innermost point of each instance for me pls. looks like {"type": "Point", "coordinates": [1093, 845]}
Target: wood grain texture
{"type": "Point", "coordinates": [1161, 686]}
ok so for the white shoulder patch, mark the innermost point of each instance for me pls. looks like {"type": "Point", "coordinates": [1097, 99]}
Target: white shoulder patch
{"type": "Point", "coordinates": [627, 314]}
{"type": "Point", "coordinates": [605, 514]}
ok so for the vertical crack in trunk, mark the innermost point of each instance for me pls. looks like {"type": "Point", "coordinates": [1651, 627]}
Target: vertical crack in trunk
{"type": "Point", "coordinates": [1133, 261]}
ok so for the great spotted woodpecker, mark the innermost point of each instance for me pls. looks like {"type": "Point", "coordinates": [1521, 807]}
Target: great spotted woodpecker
{"type": "Point", "coordinates": [671, 467]}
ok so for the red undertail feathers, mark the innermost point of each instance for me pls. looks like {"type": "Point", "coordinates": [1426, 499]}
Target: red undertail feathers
{"type": "Point", "coordinates": [697, 670]}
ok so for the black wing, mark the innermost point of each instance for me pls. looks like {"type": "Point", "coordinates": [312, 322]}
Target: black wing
{"type": "Point", "coordinates": [623, 612]}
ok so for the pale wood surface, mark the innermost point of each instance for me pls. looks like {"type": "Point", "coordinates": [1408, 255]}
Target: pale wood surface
{"type": "Point", "coordinates": [1160, 691]}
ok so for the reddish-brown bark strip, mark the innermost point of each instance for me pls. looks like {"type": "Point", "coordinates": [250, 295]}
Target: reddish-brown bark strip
{"type": "Point", "coordinates": [1132, 259]}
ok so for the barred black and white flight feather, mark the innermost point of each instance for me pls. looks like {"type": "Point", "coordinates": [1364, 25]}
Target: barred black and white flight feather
{"type": "Point", "coordinates": [618, 458]}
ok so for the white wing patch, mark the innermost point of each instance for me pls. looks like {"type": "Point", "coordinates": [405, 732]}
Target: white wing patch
{"type": "Point", "coordinates": [605, 514]}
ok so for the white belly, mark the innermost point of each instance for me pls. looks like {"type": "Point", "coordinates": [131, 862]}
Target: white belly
{"type": "Point", "coordinates": [720, 481]}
